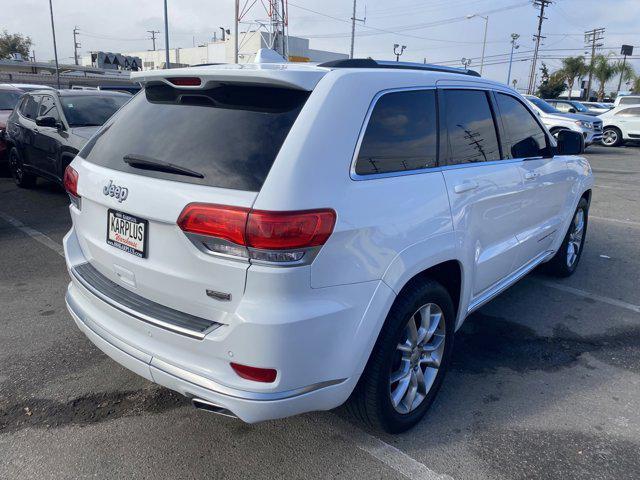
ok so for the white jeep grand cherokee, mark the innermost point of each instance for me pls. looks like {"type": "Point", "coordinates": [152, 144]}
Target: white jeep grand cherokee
{"type": "Point", "coordinates": [275, 239]}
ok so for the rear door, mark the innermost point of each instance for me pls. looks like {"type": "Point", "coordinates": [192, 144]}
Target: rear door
{"type": "Point", "coordinates": [484, 190]}
{"type": "Point", "coordinates": [629, 121]}
{"type": "Point", "coordinates": [228, 138]}
{"type": "Point", "coordinates": [28, 129]}
{"type": "Point", "coordinates": [547, 180]}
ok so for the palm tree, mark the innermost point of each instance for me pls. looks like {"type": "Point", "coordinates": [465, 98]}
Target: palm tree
{"type": "Point", "coordinates": [636, 85]}
{"type": "Point", "coordinates": [573, 68]}
{"type": "Point", "coordinates": [603, 71]}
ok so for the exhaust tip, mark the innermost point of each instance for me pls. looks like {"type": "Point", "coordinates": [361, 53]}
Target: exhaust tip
{"type": "Point", "coordinates": [201, 404]}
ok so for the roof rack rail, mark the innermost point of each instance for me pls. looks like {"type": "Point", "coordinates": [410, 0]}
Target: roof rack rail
{"type": "Point", "coordinates": [370, 63]}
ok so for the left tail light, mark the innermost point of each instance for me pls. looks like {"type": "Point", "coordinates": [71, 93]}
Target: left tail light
{"type": "Point", "coordinates": [264, 236]}
{"type": "Point", "coordinates": [70, 183]}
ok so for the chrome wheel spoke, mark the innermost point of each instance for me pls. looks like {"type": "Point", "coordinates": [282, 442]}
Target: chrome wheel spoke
{"type": "Point", "coordinates": [411, 392]}
{"type": "Point", "coordinates": [404, 347]}
{"type": "Point", "coordinates": [399, 375]}
{"type": "Point", "coordinates": [434, 345]}
{"type": "Point", "coordinates": [400, 391]}
{"type": "Point", "coordinates": [412, 332]}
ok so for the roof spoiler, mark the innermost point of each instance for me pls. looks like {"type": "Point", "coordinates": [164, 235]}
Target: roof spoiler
{"type": "Point", "coordinates": [371, 63]}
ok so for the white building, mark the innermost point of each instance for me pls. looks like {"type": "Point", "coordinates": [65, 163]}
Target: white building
{"type": "Point", "coordinates": [222, 52]}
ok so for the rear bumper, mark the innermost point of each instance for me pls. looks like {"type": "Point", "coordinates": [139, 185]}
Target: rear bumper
{"type": "Point", "coordinates": [248, 406]}
{"type": "Point", "coordinates": [318, 340]}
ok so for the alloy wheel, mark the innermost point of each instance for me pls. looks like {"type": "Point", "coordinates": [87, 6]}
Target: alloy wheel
{"type": "Point", "coordinates": [417, 358]}
{"type": "Point", "coordinates": [609, 137]}
{"type": "Point", "coordinates": [575, 237]}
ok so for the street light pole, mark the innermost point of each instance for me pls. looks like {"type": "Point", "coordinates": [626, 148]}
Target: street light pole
{"type": "Point", "coordinates": [484, 41]}
{"type": "Point", "coordinates": [55, 48]}
{"type": "Point", "coordinates": [514, 38]}
{"type": "Point", "coordinates": [166, 37]}
{"type": "Point", "coordinates": [398, 53]}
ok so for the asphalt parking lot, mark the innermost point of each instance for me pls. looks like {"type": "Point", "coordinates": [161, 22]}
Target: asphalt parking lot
{"type": "Point", "coordinates": [545, 382]}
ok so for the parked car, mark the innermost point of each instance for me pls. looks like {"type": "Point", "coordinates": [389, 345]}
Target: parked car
{"type": "Point", "coordinates": [598, 107]}
{"type": "Point", "coordinates": [27, 87]}
{"type": "Point", "coordinates": [620, 125]}
{"type": "Point", "coordinates": [626, 100]}
{"type": "Point", "coordinates": [570, 106]}
{"type": "Point", "coordinates": [589, 127]}
{"type": "Point", "coordinates": [9, 97]}
{"type": "Point", "coordinates": [48, 127]}
{"type": "Point", "coordinates": [275, 240]}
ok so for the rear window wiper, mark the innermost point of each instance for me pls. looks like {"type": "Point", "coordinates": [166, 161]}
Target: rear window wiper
{"type": "Point", "coordinates": [148, 163]}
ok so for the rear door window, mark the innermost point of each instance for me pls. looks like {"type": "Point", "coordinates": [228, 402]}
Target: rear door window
{"type": "Point", "coordinates": [29, 106]}
{"type": "Point", "coordinates": [469, 133]}
{"type": "Point", "coordinates": [401, 134]}
{"type": "Point", "coordinates": [229, 135]}
{"type": "Point", "coordinates": [523, 136]}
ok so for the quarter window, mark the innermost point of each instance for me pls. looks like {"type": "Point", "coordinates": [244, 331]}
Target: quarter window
{"type": "Point", "coordinates": [470, 134]}
{"type": "Point", "coordinates": [523, 135]}
{"type": "Point", "coordinates": [629, 112]}
{"type": "Point", "coordinates": [401, 134]}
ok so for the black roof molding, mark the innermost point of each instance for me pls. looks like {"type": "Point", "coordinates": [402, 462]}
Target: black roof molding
{"type": "Point", "coordinates": [370, 63]}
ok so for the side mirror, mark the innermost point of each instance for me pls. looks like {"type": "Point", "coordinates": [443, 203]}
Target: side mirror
{"type": "Point", "coordinates": [572, 110]}
{"type": "Point", "coordinates": [48, 122]}
{"type": "Point", "coordinates": [569, 143]}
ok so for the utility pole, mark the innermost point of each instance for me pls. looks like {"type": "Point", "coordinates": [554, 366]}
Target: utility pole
{"type": "Point", "coordinates": [353, 25]}
{"type": "Point", "coordinates": [593, 38]}
{"type": "Point", "coordinates": [236, 19]}
{"type": "Point", "coordinates": [514, 46]}
{"type": "Point", "coordinates": [76, 45]}
{"type": "Point", "coordinates": [166, 37]}
{"type": "Point", "coordinates": [55, 48]}
{"type": "Point", "coordinates": [484, 41]}
{"type": "Point", "coordinates": [398, 53]}
{"type": "Point", "coordinates": [538, 37]}
{"type": "Point", "coordinates": [153, 37]}
{"type": "Point", "coordinates": [626, 50]}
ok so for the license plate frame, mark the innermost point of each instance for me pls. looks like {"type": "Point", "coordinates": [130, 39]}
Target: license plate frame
{"type": "Point", "coordinates": [134, 243]}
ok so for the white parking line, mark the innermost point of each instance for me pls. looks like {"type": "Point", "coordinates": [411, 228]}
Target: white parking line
{"type": "Point", "coordinates": [593, 296]}
{"type": "Point", "coordinates": [629, 188]}
{"type": "Point", "coordinates": [35, 234]}
{"type": "Point", "coordinates": [387, 454]}
{"type": "Point", "coordinates": [615, 220]}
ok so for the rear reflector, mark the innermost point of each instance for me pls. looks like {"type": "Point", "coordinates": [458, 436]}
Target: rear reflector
{"type": "Point", "coordinates": [185, 81]}
{"type": "Point", "coordinates": [259, 229]}
{"type": "Point", "coordinates": [70, 181]}
{"type": "Point", "coordinates": [265, 375]}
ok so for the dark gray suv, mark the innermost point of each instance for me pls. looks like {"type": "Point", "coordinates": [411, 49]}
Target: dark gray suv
{"type": "Point", "coordinates": [48, 128]}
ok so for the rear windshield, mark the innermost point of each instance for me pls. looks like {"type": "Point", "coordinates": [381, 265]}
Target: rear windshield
{"type": "Point", "coordinates": [227, 136]}
{"type": "Point", "coordinates": [90, 110]}
{"type": "Point", "coordinates": [8, 99]}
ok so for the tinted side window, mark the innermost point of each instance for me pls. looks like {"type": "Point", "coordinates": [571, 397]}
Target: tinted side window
{"type": "Point", "coordinates": [29, 107]}
{"type": "Point", "coordinates": [523, 135]}
{"type": "Point", "coordinates": [401, 134]}
{"type": "Point", "coordinates": [629, 112]}
{"type": "Point", "coordinates": [48, 108]}
{"type": "Point", "coordinates": [469, 133]}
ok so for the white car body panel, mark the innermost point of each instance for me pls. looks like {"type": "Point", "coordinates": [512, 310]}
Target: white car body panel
{"type": "Point", "coordinates": [315, 324]}
{"type": "Point", "coordinates": [629, 125]}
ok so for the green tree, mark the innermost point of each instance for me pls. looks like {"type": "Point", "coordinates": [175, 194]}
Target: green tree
{"type": "Point", "coordinates": [603, 71]}
{"type": "Point", "coordinates": [625, 71]}
{"type": "Point", "coordinates": [14, 43]}
{"type": "Point", "coordinates": [573, 69]}
{"type": "Point", "coordinates": [636, 85]}
{"type": "Point", "coordinates": [552, 85]}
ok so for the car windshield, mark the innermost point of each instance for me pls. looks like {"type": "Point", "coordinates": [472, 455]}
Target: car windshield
{"type": "Point", "coordinates": [579, 107]}
{"type": "Point", "coordinates": [8, 99]}
{"type": "Point", "coordinates": [91, 110]}
{"type": "Point", "coordinates": [542, 105]}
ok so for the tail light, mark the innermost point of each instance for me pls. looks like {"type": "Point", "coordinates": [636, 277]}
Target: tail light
{"type": "Point", "coordinates": [70, 183]}
{"type": "Point", "coordinates": [265, 375]}
{"type": "Point", "coordinates": [274, 237]}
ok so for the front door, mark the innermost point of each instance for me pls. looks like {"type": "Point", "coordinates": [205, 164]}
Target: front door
{"type": "Point", "coordinates": [47, 139]}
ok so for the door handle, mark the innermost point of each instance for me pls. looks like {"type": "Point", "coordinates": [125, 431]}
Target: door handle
{"type": "Point", "coordinates": [531, 175]}
{"type": "Point", "coordinates": [465, 187]}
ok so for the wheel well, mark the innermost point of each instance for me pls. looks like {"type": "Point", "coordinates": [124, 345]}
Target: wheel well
{"type": "Point", "coordinates": [613, 127]}
{"type": "Point", "coordinates": [448, 274]}
{"type": "Point", "coordinates": [587, 196]}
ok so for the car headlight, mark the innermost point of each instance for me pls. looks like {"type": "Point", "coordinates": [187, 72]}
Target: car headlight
{"type": "Point", "coordinates": [583, 124]}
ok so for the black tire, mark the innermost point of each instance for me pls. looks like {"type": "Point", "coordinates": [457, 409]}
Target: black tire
{"type": "Point", "coordinates": [22, 178]}
{"type": "Point", "coordinates": [615, 134]}
{"type": "Point", "coordinates": [370, 401]}
{"type": "Point", "coordinates": [560, 265]}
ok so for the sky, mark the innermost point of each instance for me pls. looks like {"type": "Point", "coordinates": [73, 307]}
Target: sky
{"type": "Point", "coordinates": [437, 30]}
